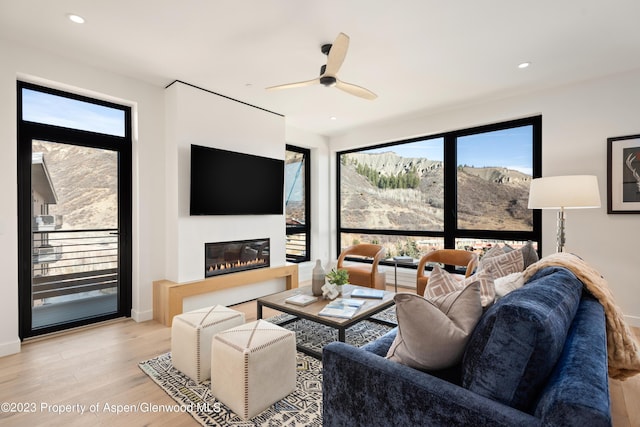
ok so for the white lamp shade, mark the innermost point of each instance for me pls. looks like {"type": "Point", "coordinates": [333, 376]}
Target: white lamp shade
{"type": "Point", "coordinates": [568, 192]}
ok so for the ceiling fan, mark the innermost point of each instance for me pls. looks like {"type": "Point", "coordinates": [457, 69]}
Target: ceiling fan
{"type": "Point", "coordinates": [336, 53]}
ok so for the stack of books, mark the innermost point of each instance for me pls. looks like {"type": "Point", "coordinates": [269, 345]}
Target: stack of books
{"type": "Point", "coordinates": [344, 308]}
{"type": "Point", "coordinates": [367, 293]}
{"type": "Point", "coordinates": [301, 299]}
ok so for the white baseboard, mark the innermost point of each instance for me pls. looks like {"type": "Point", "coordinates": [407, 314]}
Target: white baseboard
{"type": "Point", "coordinates": [633, 321]}
{"type": "Point", "coordinates": [141, 316]}
{"type": "Point", "coordinates": [11, 347]}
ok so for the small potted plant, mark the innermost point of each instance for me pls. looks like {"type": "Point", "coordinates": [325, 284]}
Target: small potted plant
{"type": "Point", "coordinates": [336, 278]}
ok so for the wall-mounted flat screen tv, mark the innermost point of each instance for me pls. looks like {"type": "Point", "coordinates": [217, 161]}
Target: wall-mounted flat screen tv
{"type": "Point", "coordinates": [229, 183]}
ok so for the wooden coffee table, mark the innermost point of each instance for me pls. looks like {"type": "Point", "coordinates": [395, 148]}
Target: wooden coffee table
{"type": "Point", "coordinates": [310, 312]}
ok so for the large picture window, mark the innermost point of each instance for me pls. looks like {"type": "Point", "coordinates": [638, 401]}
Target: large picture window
{"type": "Point", "coordinates": [493, 176]}
{"type": "Point", "coordinates": [466, 189]}
{"type": "Point", "coordinates": [297, 205]}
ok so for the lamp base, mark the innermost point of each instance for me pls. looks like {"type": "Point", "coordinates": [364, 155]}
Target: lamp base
{"type": "Point", "coordinates": [560, 236]}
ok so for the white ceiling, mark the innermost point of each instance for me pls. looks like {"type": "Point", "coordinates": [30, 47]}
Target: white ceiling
{"type": "Point", "coordinates": [418, 56]}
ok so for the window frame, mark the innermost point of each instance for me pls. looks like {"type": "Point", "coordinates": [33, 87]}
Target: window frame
{"type": "Point", "coordinates": [451, 231]}
{"type": "Point", "coordinates": [306, 227]}
{"type": "Point", "coordinates": [27, 131]}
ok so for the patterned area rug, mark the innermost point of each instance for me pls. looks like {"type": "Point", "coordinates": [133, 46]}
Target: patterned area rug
{"type": "Point", "coordinates": [302, 407]}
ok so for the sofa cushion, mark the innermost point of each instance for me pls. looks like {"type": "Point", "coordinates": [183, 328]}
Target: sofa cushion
{"type": "Point", "coordinates": [433, 334]}
{"type": "Point", "coordinates": [517, 342]}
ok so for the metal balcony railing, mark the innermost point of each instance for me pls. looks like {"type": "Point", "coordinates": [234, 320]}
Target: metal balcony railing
{"type": "Point", "coordinates": [296, 246]}
{"type": "Point", "coordinates": [46, 254]}
{"type": "Point", "coordinates": [74, 261]}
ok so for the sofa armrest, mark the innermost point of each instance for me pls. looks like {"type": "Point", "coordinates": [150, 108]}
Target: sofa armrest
{"type": "Point", "coordinates": [577, 393]}
{"type": "Point", "coordinates": [363, 389]}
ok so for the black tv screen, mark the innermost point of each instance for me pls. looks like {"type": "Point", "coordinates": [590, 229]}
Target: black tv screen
{"type": "Point", "coordinates": [229, 183]}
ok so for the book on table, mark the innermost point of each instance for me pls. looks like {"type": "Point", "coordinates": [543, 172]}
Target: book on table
{"type": "Point", "coordinates": [367, 293]}
{"type": "Point", "coordinates": [301, 299]}
{"type": "Point", "coordinates": [344, 308]}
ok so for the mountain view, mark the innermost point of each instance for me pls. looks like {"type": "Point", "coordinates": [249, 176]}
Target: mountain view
{"type": "Point", "coordinates": [388, 191]}
{"type": "Point", "coordinates": [85, 181]}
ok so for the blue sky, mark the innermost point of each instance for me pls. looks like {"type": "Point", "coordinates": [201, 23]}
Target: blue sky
{"type": "Point", "coordinates": [510, 148]}
{"type": "Point", "coordinates": [56, 110]}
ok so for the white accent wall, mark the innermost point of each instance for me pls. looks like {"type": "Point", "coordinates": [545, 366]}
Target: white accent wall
{"type": "Point", "coordinates": [576, 122]}
{"type": "Point", "coordinates": [321, 239]}
{"type": "Point", "coordinates": [200, 117]}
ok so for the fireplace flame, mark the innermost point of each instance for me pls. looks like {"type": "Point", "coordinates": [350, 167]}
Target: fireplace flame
{"type": "Point", "coordinates": [236, 264]}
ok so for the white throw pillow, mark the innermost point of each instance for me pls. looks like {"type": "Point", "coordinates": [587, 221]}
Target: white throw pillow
{"type": "Point", "coordinates": [508, 283]}
{"type": "Point", "coordinates": [433, 335]}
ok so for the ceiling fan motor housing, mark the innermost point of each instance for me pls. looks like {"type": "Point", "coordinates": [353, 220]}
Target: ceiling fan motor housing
{"type": "Point", "coordinates": [326, 80]}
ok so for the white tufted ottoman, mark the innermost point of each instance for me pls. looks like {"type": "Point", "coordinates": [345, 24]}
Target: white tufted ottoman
{"type": "Point", "coordinates": [191, 335]}
{"type": "Point", "coordinates": [253, 366]}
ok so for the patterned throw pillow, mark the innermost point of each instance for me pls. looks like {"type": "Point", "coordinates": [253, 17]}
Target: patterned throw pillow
{"type": "Point", "coordinates": [442, 283]}
{"type": "Point", "coordinates": [494, 251]}
{"type": "Point", "coordinates": [494, 268]}
{"type": "Point", "coordinates": [529, 254]}
{"type": "Point", "coordinates": [501, 265]}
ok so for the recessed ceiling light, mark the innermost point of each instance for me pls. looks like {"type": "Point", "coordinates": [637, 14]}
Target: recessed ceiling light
{"type": "Point", "coordinates": [75, 18]}
{"type": "Point", "coordinates": [524, 65]}
{"type": "Point", "coordinates": [333, 118]}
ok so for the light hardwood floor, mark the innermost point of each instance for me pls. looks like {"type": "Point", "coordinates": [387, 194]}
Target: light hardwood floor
{"type": "Point", "coordinates": [98, 366]}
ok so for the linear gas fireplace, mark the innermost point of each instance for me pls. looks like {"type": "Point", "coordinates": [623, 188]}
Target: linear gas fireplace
{"type": "Point", "coordinates": [230, 257]}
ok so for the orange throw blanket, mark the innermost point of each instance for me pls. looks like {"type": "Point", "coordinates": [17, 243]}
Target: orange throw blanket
{"type": "Point", "coordinates": [622, 348]}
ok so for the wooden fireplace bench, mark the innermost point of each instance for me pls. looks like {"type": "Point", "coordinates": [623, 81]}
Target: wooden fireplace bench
{"type": "Point", "coordinates": [168, 296]}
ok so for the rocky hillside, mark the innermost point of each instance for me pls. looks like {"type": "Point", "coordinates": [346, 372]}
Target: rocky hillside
{"type": "Point", "coordinates": [85, 183]}
{"type": "Point", "coordinates": [489, 198]}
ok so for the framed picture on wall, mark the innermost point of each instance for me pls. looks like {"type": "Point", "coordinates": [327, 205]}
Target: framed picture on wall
{"type": "Point", "coordinates": [623, 174]}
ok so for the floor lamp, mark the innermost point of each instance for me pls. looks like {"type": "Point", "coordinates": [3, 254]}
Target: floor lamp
{"type": "Point", "coordinates": [564, 192]}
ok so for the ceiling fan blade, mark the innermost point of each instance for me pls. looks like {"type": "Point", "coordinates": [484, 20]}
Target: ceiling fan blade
{"type": "Point", "coordinates": [356, 90]}
{"type": "Point", "coordinates": [297, 84]}
{"type": "Point", "coordinates": [336, 54]}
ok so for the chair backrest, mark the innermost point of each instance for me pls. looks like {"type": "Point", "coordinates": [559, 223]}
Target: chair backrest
{"type": "Point", "coordinates": [455, 257]}
{"type": "Point", "coordinates": [368, 250]}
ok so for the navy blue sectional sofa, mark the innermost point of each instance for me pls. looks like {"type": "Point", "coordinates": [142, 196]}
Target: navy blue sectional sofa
{"type": "Point", "coordinates": [538, 357]}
